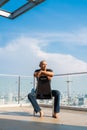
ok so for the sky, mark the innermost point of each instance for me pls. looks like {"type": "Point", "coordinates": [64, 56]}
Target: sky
{"type": "Point", "coordinates": [55, 31]}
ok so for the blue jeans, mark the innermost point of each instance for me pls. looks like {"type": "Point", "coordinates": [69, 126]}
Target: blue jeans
{"type": "Point", "coordinates": [55, 94]}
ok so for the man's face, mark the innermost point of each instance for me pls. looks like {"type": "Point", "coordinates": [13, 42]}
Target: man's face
{"type": "Point", "coordinates": [43, 65]}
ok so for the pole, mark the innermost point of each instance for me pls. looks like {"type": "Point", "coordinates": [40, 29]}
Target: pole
{"type": "Point", "coordinates": [18, 89]}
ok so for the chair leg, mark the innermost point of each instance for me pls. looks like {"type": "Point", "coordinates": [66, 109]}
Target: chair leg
{"type": "Point", "coordinates": [52, 106]}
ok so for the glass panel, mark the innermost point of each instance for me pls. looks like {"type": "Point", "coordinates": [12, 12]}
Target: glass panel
{"type": "Point", "coordinates": [13, 90]}
{"type": "Point", "coordinates": [73, 89]}
{"type": "Point", "coordinates": [8, 90]}
{"type": "Point", "coordinates": [26, 84]}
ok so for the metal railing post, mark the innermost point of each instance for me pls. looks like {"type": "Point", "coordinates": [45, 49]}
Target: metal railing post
{"type": "Point", "coordinates": [18, 89]}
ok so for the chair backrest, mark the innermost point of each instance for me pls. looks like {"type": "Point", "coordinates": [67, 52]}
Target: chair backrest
{"type": "Point", "coordinates": [43, 90]}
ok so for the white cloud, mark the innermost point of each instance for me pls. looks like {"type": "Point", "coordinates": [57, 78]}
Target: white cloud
{"type": "Point", "coordinates": [22, 56]}
{"type": "Point", "coordinates": [78, 37]}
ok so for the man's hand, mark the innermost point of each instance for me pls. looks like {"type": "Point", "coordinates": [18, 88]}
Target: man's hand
{"type": "Point", "coordinates": [39, 73]}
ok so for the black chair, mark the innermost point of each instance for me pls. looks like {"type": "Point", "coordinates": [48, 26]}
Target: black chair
{"type": "Point", "coordinates": [43, 90]}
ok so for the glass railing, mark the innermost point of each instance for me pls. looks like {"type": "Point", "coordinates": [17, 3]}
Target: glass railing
{"type": "Point", "coordinates": [14, 88]}
{"type": "Point", "coordinates": [73, 87]}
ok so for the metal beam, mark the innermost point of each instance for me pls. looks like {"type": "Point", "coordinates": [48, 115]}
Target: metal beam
{"type": "Point", "coordinates": [25, 8]}
{"type": "Point", "coordinates": [2, 2]}
{"type": "Point", "coordinates": [11, 15]}
{"type": "Point", "coordinates": [5, 13]}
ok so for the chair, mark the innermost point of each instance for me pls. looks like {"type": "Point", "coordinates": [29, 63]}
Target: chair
{"type": "Point", "coordinates": [43, 90]}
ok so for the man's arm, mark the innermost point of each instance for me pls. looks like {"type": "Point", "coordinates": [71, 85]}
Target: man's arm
{"type": "Point", "coordinates": [47, 73]}
{"type": "Point", "coordinates": [37, 73]}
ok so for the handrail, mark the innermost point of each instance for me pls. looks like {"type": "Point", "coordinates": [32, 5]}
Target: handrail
{"type": "Point", "coordinates": [70, 73]}
{"type": "Point", "coordinates": [62, 74]}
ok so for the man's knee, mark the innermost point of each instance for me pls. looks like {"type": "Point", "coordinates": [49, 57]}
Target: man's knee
{"type": "Point", "coordinates": [29, 95]}
{"type": "Point", "coordinates": [58, 92]}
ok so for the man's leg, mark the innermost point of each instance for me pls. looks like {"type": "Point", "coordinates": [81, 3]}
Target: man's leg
{"type": "Point", "coordinates": [56, 95]}
{"type": "Point", "coordinates": [34, 103]}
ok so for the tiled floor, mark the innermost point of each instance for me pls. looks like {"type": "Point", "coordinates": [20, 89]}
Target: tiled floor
{"type": "Point", "coordinates": [21, 118]}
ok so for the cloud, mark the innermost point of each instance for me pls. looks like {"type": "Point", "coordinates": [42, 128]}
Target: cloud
{"type": "Point", "coordinates": [22, 56]}
{"type": "Point", "coordinates": [76, 37]}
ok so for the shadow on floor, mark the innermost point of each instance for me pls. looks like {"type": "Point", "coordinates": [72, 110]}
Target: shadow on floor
{"type": "Point", "coordinates": [15, 113]}
{"type": "Point", "coordinates": [8, 124]}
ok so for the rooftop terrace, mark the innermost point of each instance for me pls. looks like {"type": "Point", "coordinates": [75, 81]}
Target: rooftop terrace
{"type": "Point", "coordinates": [16, 113]}
{"type": "Point", "coordinates": [21, 118]}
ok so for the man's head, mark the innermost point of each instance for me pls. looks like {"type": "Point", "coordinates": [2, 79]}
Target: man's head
{"type": "Point", "coordinates": [43, 64]}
